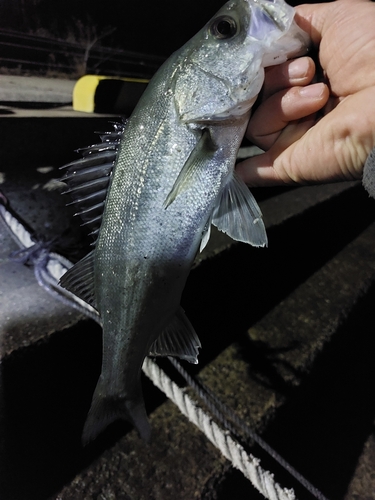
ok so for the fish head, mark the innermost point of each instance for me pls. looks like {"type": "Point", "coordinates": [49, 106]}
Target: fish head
{"type": "Point", "coordinates": [221, 70]}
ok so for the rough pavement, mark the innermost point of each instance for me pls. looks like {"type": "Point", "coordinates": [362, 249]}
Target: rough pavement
{"type": "Point", "coordinates": [33, 89]}
{"type": "Point", "coordinates": [287, 341]}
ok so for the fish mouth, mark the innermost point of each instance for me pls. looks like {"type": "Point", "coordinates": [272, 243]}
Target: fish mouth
{"type": "Point", "coordinates": [287, 39]}
{"type": "Point", "coordinates": [294, 43]}
{"type": "Point", "coordinates": [269, 16]}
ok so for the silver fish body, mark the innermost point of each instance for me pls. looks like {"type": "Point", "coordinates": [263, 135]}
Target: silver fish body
{"type": "Point", "coordinates": [173, 178]}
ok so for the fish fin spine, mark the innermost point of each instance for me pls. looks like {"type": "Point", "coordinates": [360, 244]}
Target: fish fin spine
{"type": "Point", "coordinates": [88, 178]}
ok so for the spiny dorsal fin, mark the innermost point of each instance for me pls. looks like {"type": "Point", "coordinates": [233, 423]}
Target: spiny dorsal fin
{"type": "Point", "coordinates": [88, 177]}
{"type": "Point", "coordinates": [178, 339]}
{"type": "Point", "coordinates": [80, 279]}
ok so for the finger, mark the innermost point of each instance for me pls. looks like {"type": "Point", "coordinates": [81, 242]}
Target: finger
{"type": "Point", "coordinates": [316, 19]}
{"type": "Point", "coordinates": [273, 115]}
{"type": "Point", "coordinates": [291, 73]}
{"type": "Point", "coordinates": [334, 149]}
{"type": "Point", "coordinates": [260, 170]}
{"type": "Point", "coordinates": [345, 34]}
{"type": "Point", "coordinates": [312, 19]}
{"type": "Point", "coordinates": [337, 147]}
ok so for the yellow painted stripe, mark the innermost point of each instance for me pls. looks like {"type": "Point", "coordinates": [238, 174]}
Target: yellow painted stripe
{"type": "Point", "coordinates": [85, 88]}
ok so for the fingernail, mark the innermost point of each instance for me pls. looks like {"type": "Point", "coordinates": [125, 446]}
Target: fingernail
{"type": "Point", "coordinates": [312, 91]}
{"type": "Point", "coordinates": [298, 68]}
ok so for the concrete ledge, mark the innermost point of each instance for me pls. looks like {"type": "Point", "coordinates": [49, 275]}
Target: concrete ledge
{"type": "Point", "coordinates": [287, 333]}
{"type": "Point", "coordinates": [283, 307]}
{"type": "Point", "coordinates": [33, 89]}
{"type": "Point", "coordinates": [106, 94]}
{"type": "Point", "coordinates": [265, 369]}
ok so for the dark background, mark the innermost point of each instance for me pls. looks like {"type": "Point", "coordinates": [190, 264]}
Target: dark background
{"type": "Point", "coordinates": [154, 27]}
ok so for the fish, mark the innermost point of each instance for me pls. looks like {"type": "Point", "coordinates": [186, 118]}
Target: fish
{"type": "Point", "coordinates": [153, 187]}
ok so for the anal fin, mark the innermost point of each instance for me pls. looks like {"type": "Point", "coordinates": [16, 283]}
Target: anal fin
{"type": "Point", "coordinates": [178, 339]}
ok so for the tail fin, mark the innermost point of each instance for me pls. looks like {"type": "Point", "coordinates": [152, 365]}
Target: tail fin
{"type": "Point", "coordinates": [107, 409]}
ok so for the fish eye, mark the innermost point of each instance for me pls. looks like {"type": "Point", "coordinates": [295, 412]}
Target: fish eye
{"type": "Point", "coordinates": [223, 27]}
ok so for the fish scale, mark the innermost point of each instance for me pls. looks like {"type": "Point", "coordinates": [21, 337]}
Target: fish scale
{"type": "Point", "coordinates": [172, 178]}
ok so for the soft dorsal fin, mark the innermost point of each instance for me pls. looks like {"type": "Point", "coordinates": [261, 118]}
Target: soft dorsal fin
{"type": "Point", "coordinates": [88, 177]}
{"type": "Point", "coordinates": [80, 279]}
{"type": "Point", "coordinates": [238, 214]}
{"type": "Point", "coordinates": [178, 339]}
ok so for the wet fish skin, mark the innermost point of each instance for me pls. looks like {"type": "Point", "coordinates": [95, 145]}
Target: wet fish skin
{"type": "Point", "coordinates": [173, 177]}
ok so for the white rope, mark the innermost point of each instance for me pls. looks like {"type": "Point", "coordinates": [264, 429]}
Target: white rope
{"type": "Point", "coordinates": [24, 238]}
{"type": "Point", "coordinates": [261, 479]}
{"type": "Point", "coordinates": [48, 266]}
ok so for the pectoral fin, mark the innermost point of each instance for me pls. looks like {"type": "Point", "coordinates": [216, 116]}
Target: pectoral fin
{"type": "Point", "coordinates": [178, 339]}
{"type": "Point", "coordinates": [238, 215]}
{"type": "Point", "coordinates": [193, 171]}
{"type": "Point", "coordinates": [206, 234]}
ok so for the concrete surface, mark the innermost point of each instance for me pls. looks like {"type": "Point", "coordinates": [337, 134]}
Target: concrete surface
{"type": "Point", "coordinates": [32, 89]}
{"type": "Point", "coordinates": [28, 314]}
{"type": "Point", "coordinates": [287, 335]}
{"type": "Point", "coordinates": [263, 373]}
{"type": "Point", "coordinates": [36, 97]}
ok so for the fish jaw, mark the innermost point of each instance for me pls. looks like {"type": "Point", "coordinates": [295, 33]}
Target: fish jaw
{"type": "Point", "coordinates": [294, 43]}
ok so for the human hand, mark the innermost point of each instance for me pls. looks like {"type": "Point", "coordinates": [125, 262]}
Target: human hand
{"type": "Point", "coordinates": [305, 147]}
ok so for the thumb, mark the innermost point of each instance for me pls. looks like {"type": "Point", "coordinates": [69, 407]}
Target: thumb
{"type": "Point", "coordinates": [311, 18]}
